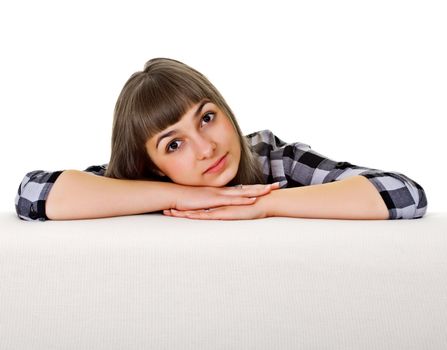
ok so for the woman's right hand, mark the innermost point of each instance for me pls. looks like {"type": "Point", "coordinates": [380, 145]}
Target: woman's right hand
{"type": "Point", "coordinates": [191, 198]}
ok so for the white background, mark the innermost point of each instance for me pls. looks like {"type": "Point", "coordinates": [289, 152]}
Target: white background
{"type": "Point", "coordinates": [360, 81]}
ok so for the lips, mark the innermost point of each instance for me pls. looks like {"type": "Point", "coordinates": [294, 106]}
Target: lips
{"type": "Point", "coordinates": [217, 162]}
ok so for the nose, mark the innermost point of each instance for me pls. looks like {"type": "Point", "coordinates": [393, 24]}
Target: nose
{"type": "Point", "coordinates": [204, 147]}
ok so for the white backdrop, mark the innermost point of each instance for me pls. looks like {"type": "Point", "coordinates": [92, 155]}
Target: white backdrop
{"type": "Point", "coordinates": [360, 81]}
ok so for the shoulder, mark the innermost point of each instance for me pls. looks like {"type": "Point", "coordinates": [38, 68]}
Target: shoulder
{"type": "Point", "coordinates": [97, 169]}
{"type": "Point", "coordinates": [267, 140]}
{"type": "Point", "coordinates": [265, 136]}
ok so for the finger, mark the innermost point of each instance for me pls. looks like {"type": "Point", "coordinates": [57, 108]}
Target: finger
{"type": "Point", "coordinates": [179, 213]}
{"type": "Point", "coordinates": [192, 211]}
{"type": "Point", "coordinates": [239, 200]}
{"type": "Point", "coordinates": [259, 190]}
{"type": "Point", "coordinates": [199, 215]}
{"type": "Point", "coordinates": [193, 214]}
{"type": "Point", "coordinates": [222, 213]}
{"type": "Point", "coordinates": [185, 213]}
{"type": "Point", "coordinates": [275, 186]}
{"type": "Point", "coordinates": [250, 190]}
{"type": "Point", "coordinates": [204, 214]}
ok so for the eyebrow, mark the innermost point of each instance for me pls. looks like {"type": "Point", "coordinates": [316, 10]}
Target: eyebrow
{"type": "Point", "coordinates": [196, 114]}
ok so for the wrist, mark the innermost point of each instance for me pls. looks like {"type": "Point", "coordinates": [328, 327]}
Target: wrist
{"type": "Point", "coordinates": [265, 204]}
{"type": "Point", "coordinates": [173, 193]}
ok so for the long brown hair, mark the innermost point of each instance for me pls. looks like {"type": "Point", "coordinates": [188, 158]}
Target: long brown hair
{"type": "Point", "coordinates": [154, 99]}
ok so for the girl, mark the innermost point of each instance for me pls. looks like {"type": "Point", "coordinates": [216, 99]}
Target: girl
{"type": "Point", "coordinates": [178, 149]}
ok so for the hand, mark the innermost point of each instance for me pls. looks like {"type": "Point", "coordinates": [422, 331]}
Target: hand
{"type": "Point", "coordinates": [229, 212]}
{"type": "Point", "coordinates": [192, 198]}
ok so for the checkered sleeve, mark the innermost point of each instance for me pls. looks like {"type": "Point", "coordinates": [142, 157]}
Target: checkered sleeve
{"type": "Point", "coordinates": [296, 164]}
{"type": "Point", "coordinates": [34, 189]}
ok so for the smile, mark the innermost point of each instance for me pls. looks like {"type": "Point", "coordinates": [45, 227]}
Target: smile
{"type": "Point", "coordinates": [218, 166]}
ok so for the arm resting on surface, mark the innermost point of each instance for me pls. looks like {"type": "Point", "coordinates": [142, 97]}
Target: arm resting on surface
{"type": "Point", "coordinates": [80, 195]}
{"type": "Point", "coordinates": [351, 198]}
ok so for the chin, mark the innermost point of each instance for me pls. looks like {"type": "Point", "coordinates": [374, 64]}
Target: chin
{"type": "Point", "coordinates": [225, 180]}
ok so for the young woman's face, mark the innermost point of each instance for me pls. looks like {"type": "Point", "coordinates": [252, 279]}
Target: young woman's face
{"type": "Point", "coordinates": [186, 150]}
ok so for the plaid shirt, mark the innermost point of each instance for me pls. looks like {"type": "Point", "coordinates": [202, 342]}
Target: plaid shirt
{"type": "Point", "coordinates": [292, 164]}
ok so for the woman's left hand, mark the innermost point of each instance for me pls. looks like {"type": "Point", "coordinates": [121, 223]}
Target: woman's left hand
{"type": "Point", "coordinates": [229, 212]}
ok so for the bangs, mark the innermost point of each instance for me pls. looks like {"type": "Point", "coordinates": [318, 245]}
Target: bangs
{"type": "Point", "coordinates": [162, 102]}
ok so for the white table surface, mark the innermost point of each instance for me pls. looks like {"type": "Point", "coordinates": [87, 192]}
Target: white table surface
{"type": "Point", "coordinates": [157, 282]}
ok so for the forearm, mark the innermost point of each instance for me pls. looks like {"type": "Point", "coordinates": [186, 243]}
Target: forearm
{"type": "Point", "coordinates": [351, 198]}
{"type": "Point", "coordinates": [80, 195]}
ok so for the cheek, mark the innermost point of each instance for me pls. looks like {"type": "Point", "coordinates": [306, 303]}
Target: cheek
{"type": "Point", "coordinates": [233, 137]}
{"type": "Point", "coordinates": [179, 164]}
{"type": "Point", "coordinates": [227, 132]}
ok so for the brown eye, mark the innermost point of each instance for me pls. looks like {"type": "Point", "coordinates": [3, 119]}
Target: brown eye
{"type": "Point", "coordinates": [169, 149]}
{"type": "Point", "coordinates": [208, 117]}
